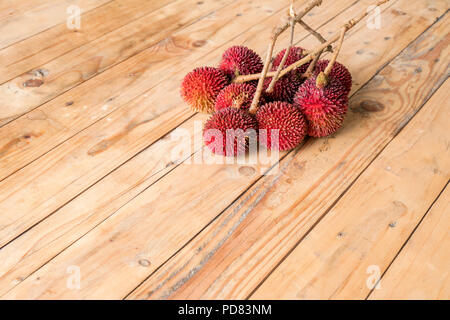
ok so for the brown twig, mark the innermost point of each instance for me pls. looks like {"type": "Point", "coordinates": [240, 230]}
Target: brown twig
{"type": "Point", "coordinates": [314, 33]}
{"type": "Point", "coordinates": [309, 71]}
{"type": "Point", "coordinates": [319, 37]}
{"type": "Point", "coordinates": [286, 53]}
{"type": "Point", "coordinates": [322, 79]}
{"type": "Point", "coordinates": [350, 24]}
{"type": "Point", "coordinates": [276, 34]}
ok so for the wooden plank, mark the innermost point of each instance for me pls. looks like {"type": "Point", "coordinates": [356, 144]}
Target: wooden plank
{"type": "Point", "coordinates": [14, 7]}
{"type": "Point", "coordinates": [34, 134]}
{"type": "Point", "coordinates": [230, 257]}
{"type": "Point", "coordinates": [43, 15]}
{"type": "Point", "coordinates": [85, 62]}
{"type": "Point", "coordinates": [138, 220]}
{"type": "Point", "coordinates": [364, 231]}
{"type": "Point", "coordinates": [21, 256]}
{"type": "Point", "coordinates": [28, 252]}
{"type": "Point", "coordinates": [27, 55]}
{"type": "Point", "coordinates": [421, 269]}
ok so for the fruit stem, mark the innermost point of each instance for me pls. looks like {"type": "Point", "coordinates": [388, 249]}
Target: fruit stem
{"type": "Point", "coordinates": [286, 54]}
{"type": "Point", "coordinates": [314, 33]}
{"type": "Point", "coordinates": [308, 73]}
{"type": "Point", "coordinates": [336, 53]}
{"type": "Point", "coordinates": [321, 80]}
{"type": "Point", "coordinates": [350, 24]}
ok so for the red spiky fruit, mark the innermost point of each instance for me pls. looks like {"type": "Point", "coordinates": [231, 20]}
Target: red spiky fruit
{"type": "Point", "coordinates": [284, 117]}
{"type": "Point", "coordinates": [286, 87]}
{"type": "Point", "coordinates": [228, 130]}
{"type": "Point", "coordinates": [236, 95]}
{"type": "Point", "coordinates": [240, 60]}
{"type": "Point", "coordinates": [339, 72]}
{"type": "Point", "coordinates": [201, 86]}
{"type": "Point", "coordinates": [295, 54]}
{"type": "Point", "coordinates": [324, 108]}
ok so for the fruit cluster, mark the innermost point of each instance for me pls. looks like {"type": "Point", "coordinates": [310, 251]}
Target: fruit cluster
{"type": "Point", "coordinates": [296, 106]}
{"type": "Point", "coordinates": [300, 96]}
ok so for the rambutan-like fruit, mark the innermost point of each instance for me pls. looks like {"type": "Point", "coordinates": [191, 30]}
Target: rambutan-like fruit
{"type": "Point", "coordinates": [236, 95]}
{"type": "Point", "coordinates": [324, 108]}
{"type": "Point", "coordinates": [227, 131]}
{"type": "Point", "coordinates": [339, 72]}
{"type": "Point", "coordinates": [286, 87]}
{"type": "Point", "coordinates": [240, 60]}
{"type": "Point", "coordinates": [295, 54]}
{"type": "Point", "coordinates": [201, 86]}
{"type": "Point", "coordinates": [284, 117]}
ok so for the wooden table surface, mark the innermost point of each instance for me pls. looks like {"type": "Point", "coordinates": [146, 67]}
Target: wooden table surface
{"type": "Point", "coordinates": [95, 201]}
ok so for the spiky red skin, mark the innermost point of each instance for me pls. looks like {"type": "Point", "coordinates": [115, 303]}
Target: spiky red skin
{"type": "Point", "coordinates": [201, 86]}
{"type": "Point", "coordinates": [223, 120]}
{"type": "Point", "coordinates": [236, 95]}
{"type": "Point", "coordinates": [240, 60]}
{"type": "Point", "coordinates": [286, 87]}
{"type": "Point", "coordinates": [339, 72]}
{"type": "Point", "coordinates": [295, 54]}
{"type": "Point", "coordinates": [287, 119]}
{"type": "Point", "coordinates": [324, 108]}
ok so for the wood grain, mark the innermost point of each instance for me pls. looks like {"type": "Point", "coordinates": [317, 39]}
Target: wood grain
{"type": "Point", "coordinates": [27, 55]}
{"type": "Point", "coordinates": [43, 15]}
{"type": "Point", "coordinates": [369, 224]}
{"type": "Point", "coordinates": [41, 243]}
{"type": "Point", "coordinates": [34, 88]}
{"type": "Point", "coordinates": [148, 210]}
{"type": "Point", "coordinates": [230, 257]}
{"type": "Point", "coordinates": [421, 269]}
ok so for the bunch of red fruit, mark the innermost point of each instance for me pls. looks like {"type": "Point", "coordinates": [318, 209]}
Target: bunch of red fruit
{"type": "Point", "coordinates": [296, 106]}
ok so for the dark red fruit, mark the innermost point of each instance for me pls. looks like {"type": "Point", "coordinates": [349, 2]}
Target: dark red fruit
{"type": "Point", "coordinates": [324, 108]}
{"type": "Point", "coordinates": [228, 130]}
{"type": "Point", "coordinates": [286, 87]}
{"type": "Point", "coordinates": [236, 95]}
{"type": "Point", "coordinates": [201, 86]}
{"type": "Point", "coordinates": [339, 72]}
{"type": "Point", "coordinates": [239, 60]}
{"type": "Point", "coordinates": [295, 54]}
{"type": "Point", "coordinates": [284, 117]}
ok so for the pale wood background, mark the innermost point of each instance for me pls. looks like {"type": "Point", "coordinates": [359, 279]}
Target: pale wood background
{"type": "Point", "coordinates": [87, 178]}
